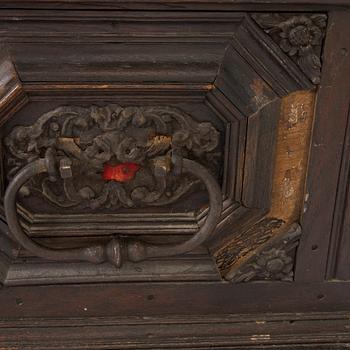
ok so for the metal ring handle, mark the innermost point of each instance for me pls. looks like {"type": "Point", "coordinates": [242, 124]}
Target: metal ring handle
{"type": "Point", "coordinates": [138, 250]}
{"type": "Point", "coordinates": [94, 254]}
{"type": "Point", "coordinates": [112, 251]}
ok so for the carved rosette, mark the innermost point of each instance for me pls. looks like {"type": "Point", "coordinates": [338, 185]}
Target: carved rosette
{"type": "Point", "coordinates": [300, 36]}
{"type": "Point", "coordinates": [275, 261]}
{"type": "Point", "coordinates": [114, 155]}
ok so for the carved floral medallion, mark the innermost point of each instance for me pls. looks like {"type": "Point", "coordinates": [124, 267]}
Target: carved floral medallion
{"type": "Point", "coordinates": [300, 36]}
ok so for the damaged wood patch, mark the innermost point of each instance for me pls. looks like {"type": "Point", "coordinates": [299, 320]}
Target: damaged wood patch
{"type": "Point", "coordinates": [259, 99]}
{"type": "Point", "coordinates": [290, 166]}
{"type": "Point", "coordinates": [245, 244]}
{"type": "Point", "coordinates": [273, 260]}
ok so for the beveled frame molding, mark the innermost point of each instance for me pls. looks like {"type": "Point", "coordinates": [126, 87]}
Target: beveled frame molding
{"type": "Point", "coordinates": [242, 87]}
{"type": "Point", "coordinates": [321, 331]}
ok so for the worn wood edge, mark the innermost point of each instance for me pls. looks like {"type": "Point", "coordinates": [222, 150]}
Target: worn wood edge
{"type": "Point", "coordinates": [110, 91]}
{"type": "Point", "coordinates": [177, 332]}
{"type": "Point", "coordinates": [247, 244]}
{"type": "Point", "coordinates": [12, 99]}
{"type": "Point", "coordinates": [20, 268]}
{"type": "Point", "coordinates": [292, 152]}
{"type": "Point", "coordinates": [199, 269]}
{"type": "Point", "coordinates": [272, 260]}
{"type": "Point", "coordinates": [191, 298]}
{"type": "Point", "coordinates": [12, 95]}
{"type": "Point", "coordinates": [175, 319]}
{"type": "Point", "coordinates": [180, 5]}
{"type": "Point", "coordinates": [262, 53]}
{"type": "Point", "coordinates": [259, 155]}
{"type": "Point", "coordinates": [293, 145]}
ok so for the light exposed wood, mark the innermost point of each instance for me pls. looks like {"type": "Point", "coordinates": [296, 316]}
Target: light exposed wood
{"type": "Point", "coordinates": [292, 151]}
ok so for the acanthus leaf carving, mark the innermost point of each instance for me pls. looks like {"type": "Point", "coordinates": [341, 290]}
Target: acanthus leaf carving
{"type": "Point", "coordinates": [129, 140]}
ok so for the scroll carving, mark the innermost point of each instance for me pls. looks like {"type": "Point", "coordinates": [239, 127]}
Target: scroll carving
{"type": "Point", "coordinates": [110, 157]}
{"type": "Point", "coordinates": [300, 36]}
{"type": "Point", "coordinates": [101, 144]}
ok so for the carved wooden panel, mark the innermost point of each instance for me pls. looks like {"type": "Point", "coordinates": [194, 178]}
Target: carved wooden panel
{"type": "Point", "coordinates": [155, 142]}
{"type": "Point", "coordinates": [300, 36]}
{"type": "Point", "coordinates": [272, 269]}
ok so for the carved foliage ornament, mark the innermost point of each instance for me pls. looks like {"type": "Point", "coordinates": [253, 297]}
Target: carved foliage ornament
{"type": "Point", "coordinates": [300, 36]}
{"type": "Point", "coordinates": [110, 157]}
{"type": "Point", "coordinates": [274, 262]}
{"type": "Point", "coordinates": [112, 153]}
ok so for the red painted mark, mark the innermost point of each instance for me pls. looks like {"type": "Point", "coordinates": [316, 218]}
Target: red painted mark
{"type": "Point", "coordinates": [121, 173]}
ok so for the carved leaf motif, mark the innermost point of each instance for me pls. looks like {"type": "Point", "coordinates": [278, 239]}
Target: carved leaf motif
{"type": "Point", "coordinates": [95, 136]}
{"type": "Point", "coordinates": [300, 36]}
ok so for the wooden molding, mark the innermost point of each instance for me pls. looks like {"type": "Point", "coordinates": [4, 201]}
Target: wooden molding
{"type": "Point", "coordinates": [179, 5]}
{"type": "Point", "coordinates": [12, 95]}
{"type": "Point", "coordinates": [292, 149]}
{"type": "Point", "coordinates": [284, 331]}
{"type": "Point", "coordinates": [237, 76]}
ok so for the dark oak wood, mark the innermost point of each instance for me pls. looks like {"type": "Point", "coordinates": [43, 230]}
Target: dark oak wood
{"type": "Point", "coordinates": [326, 152]}
{"type": "Point", "coordinates": [285, 331]}
{"type": "Point", "coordinates": [147, 299]}
{"type": "Point", "coordinates": [212, 60]}
{"type": "Point", "coordinates": [227, 72]}
{"type": "Point", "coordinates": [229, 5]}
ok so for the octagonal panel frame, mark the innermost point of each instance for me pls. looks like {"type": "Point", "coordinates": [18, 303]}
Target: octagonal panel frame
{"type": "Point", "coordinates": [250, 99]}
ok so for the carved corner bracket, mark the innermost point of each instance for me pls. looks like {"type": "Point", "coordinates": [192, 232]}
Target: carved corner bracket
{"type": "Point", "coordinates": [265, 250]}
{"type": "Point", "coordinates": [300, 36]}
{"type": "Point", "coordinates": [272, 261]}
